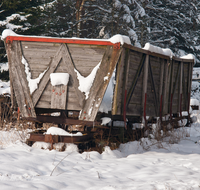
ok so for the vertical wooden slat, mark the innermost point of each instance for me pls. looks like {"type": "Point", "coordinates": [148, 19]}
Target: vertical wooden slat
{"type": "Point", "coordinates": [20, 83]}
{"type": "Point", "coordinates": [180, 87]}
{"type": "Point", "coordinates": [189, 85]}
{"type": "Point", "coordinates": [125, 82]}
{"type": "Point", "coordinates": [166, 86]}
{"type": "Point", "coordinates": [161, 93]}
{"type": "Point", "coordinates": [144, 91]}
{"type": "Point", "coordinates": [59, 97]}
{"type": "Point", "coordinates": [117, 98]}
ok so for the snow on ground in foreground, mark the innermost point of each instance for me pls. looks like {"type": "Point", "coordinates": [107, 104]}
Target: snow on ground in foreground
{"type": "Point", "coordinates": [172, 166]}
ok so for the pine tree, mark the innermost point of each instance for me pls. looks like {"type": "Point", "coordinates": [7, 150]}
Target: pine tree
{"type": "Point", "coordinates": [174, 24]}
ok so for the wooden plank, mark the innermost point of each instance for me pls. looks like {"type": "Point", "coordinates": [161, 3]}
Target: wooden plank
{"type": "Point", "coordinates": [125, 82]}
{"type": "Point", "coordinates": [118, 91]}
{"type": "Point", "coordinates": [180, 88]}
{"type": "Point", "coordinates": [161, 90]}
{"type": "Point", "coordinates": [153, 90]}
{"type": "Point", "coordinates": [72, 104]}
{"type": "Point", "coordinates": [20, 83]}
{"type": "Point", "coordinates": [145, 80]}
{"type": "Point", "coordinates": [59, 97]}
{"type": "Point", "coordinates": [35, 45]}
{"type": "Point", "coordinates": [96, 49]}
{"type": "Point", "coordinates": [99, 86]}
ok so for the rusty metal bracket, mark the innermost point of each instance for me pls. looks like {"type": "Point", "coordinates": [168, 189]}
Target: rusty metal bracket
{"type": "Point", "coordinates": [117, 45]}
{"type": "Point", "coordinates": [9, 40]}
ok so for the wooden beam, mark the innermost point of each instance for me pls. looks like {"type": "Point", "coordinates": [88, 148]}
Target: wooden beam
{"type": "Point", "coordinates": [117, 98]}
{"type": "Point", "coordinates": [161, 90]}
{"type": "Point", "coordinates": [154, 89]}
{"type": "Point", "coordinates": [144, 91]}
{"type": "Point", "coordinates": [20, 83]}
{"type": "Point", "coordinates": [180, 88]}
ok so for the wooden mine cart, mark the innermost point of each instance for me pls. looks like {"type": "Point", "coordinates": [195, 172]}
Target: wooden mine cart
{"type": "Point", "coordinates": [147, 83]}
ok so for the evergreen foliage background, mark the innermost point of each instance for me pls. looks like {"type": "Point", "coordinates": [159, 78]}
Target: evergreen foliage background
{"type": "Point", "coordinates": [170, 24]}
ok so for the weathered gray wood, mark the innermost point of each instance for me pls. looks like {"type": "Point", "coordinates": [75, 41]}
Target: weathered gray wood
{"type": "Point", "coordinates": [70, 67]}
{"type": "Point", "coordinates": [135, 80]}
{"type": "Point", "coordinates": [145, 78]}
{"type": "Point", "coordinates": [99, 86]}
{"type": "Point", "coordinates": [37, 94]}
{"type": "Point", "coordinates": [161, 90]}
{"type": "Point", "coordinates": [62, 55]}
{"type": "Point", "coordinates": [86, 56]}
{"type": "Point", "coordinates": [59, 97]}
{"type": "Point", "coordinates": [20, 83]}
{"type": "Point", "coordinates": [180, 88]}
{"type": "Point", "coordinates": [117, 98]}
{"type": "Point", "coordinates": [155, 99]}
{"type": "Point", "coordinates": [125, 83]}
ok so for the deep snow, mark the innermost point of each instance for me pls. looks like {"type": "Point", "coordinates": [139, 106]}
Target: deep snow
{"type": "Point", "coordinates": [172, 166]}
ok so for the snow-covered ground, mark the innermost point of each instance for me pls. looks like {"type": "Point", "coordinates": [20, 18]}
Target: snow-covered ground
{"type": "Point", "coordinates": [144, 164]}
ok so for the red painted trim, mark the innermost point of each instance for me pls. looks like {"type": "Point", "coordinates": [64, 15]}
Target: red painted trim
{"type": "Point", "coordinates": [124, 111]}
{"type": "Point", "coordinates": [10, 39]}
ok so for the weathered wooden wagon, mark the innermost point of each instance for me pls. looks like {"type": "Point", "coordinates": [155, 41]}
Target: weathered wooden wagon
{"type": "Point", "coordinates": [146, 83]}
